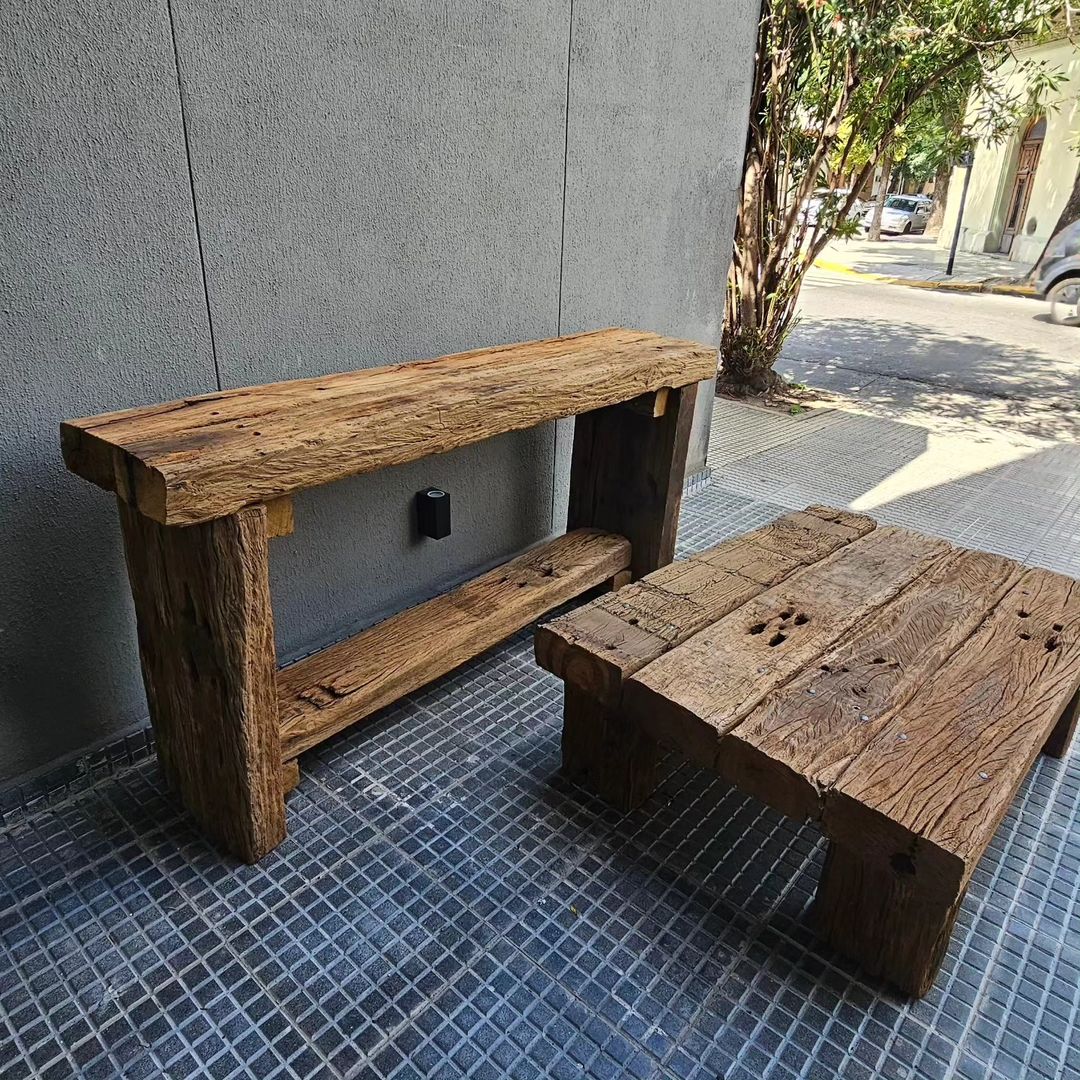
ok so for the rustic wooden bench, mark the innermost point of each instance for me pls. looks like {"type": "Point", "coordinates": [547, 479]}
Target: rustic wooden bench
{"type": "Point", "coordinates": [204, 483]}
{"type": "Point", "coordinates": [891, 686]}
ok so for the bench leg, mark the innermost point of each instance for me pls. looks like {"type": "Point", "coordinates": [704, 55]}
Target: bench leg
{"type": "Point", "coordinates": [875, 916]}
{"type": "Point", "coordinates": [206, 642]}
{"type": "Point", "coordinates": [626, 476]}
{"type": "Point", "coordinates": [1057, 745]}
{"type": "Point", "coordinates": [605, 754]}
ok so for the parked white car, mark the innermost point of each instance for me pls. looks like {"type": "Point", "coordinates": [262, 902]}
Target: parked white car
{"type": "Point", "coordinates": [902, 214]}
{"type": "Point", "coordinates": [830, 198]}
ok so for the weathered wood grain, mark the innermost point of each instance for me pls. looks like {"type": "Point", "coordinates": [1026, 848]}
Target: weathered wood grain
{"type": "Point", "coordinates": [202, 458]}
{"type": "Point", "coordinates": [926, 795]}
{"type": "Point", "coordinates": [604, 642]}
{"type": "Point", "coordinates": [653, 404]}
{"type": "Point", "coordinates": [327, 692]}
{"type": "Point", "coordinates": [899, 689]}
{"type": "Point", "coordinates": [791, 748]}
{"type": "Point", "coordinates": [279, 517]}
{"type": "Point", "coordinates": [800, 536]}
{"type": "Point", "coordinates": [604, 753]}
{"type": "Point", "coordinates": [626, 476]}
{"type": "Point", "coordinates": [694, 695]}
{"type": "Point", "coordinates": [206, 641]}
{"type": "Point", "coordinates": [290, 775]}
{"type": "Point", "coordinates": [883, 920]}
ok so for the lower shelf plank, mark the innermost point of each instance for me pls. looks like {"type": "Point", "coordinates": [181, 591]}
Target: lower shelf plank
{"type": "Point", "coordinates": [325, 693]}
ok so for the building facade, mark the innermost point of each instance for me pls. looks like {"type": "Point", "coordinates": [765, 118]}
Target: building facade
{"type": "Point", "coordinates": [1019, 187]}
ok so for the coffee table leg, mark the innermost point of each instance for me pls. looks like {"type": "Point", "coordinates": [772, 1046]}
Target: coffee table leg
{"type": "Point", "coordinates": [206, 642]}
{"type": "Point", "coordinates": [1061, 737]}
{"type": "Point", "coordinates": [876, 916]}
{"type": "Point", "coordinates": [605, 754]}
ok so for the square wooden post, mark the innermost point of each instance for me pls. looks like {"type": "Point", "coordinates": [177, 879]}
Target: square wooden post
{"type": "Point", "coordinates": [877, 914]}
{"type": "Point", "coordinates": [1057, 745]}
{"type": "Point", "coordinates": [206, 642]}
{"type": "Point", "coordinates": [626, 475]}
{"type": "Point", "coordinates": [605, 754]}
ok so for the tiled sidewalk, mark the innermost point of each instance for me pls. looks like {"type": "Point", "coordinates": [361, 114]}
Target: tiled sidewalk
{"type": "Point", "coordinates": [1004, 493]}
{"type": "Point", "coordinates": [447, 905]}
{"type": "Point", "coordinates": [919, 258]}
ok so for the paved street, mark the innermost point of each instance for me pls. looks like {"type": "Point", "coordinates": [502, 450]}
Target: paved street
{"type": "Point", "coordinates": [954, 414]}
{"type": "Point", "coordinates": [968, 361]}
{"type": "Point", "coordinates": [920, 258]}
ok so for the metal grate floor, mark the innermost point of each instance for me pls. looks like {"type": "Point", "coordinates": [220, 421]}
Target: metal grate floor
{"type": "Point", "coordinates": [447, 905]}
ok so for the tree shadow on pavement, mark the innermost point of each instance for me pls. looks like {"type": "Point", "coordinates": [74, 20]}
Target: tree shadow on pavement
{"type": "Point", "coordinates": [834, 463]}
{"type": "Point", "coordinates": [1015, 499]}
{"type": "Point", "coordinates": [904, 369]}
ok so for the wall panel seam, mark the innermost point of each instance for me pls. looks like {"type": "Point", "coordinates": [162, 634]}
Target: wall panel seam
{"type": "Point", "coordinates": [566, 152]}
{"type": "Point", "coordinates": [194, 201]}
{"type": "Point", "coordinates": [562, 240]}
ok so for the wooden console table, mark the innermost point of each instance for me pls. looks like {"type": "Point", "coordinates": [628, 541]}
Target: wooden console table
{"type": "Point", "coordinates": [204, 483]}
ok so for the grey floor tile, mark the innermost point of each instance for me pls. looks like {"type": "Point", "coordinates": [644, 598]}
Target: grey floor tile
{"type": "Point", "coordinates": [448, 905]}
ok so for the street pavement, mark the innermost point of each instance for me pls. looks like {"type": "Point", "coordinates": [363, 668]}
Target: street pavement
{"type": "Point", "coordinates": [918, 258]}
{"type": "Point", "coordinates": [953, 414]}
{"type": "Point", "coordinates": [967, 363]}
{"type": "Point", "coordinates": [991, 491]}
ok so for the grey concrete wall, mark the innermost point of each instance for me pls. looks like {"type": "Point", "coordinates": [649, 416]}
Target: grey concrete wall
{"type": "Point", "coordinates": [378, 183]}
{"type": "Point", "coordinates": [658, 94]}
{"type": "Point", "coordinates": [103, 305]}
{"type": "Point", "coordinates": [233, 193]}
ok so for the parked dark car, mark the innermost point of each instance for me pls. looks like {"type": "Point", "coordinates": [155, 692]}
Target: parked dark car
{"type": "Point", "coordinates": [1058, 275]}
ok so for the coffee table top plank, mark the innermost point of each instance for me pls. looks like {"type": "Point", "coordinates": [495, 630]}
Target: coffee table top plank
{"type": "Point", "coordinates": [930, 789]}
{"type": "Point", "coordinates": [800, 536]}
{"type": "Point", "coordinates": [702, 689]}
{"type": "Point", "coordinates": [205, 457]}
{"type": "Point", "coordinates": [599, 645]}
{"type": "Point", "coordinates": [790, 750]}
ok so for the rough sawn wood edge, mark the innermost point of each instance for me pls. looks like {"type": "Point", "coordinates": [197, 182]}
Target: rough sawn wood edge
{"type": "Point", "coordinates": [569, 649]}
{"type": "Point", "coordinates": [160, 471]}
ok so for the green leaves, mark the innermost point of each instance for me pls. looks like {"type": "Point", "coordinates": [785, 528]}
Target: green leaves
{"type": "Point", "coordinates": [837, 85]}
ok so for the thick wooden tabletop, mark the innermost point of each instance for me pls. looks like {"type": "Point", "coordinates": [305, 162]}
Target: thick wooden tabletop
{"type": "Point", "coordinates": [205, 457]}
{"type": "Point", "coordinates": [895, 686]}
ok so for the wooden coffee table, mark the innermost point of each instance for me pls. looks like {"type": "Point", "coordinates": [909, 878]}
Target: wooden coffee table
{"type": "Point", "coordinates": [889, 685]}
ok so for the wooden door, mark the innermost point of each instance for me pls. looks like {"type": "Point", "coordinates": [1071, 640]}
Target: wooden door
{"type": "Point", "coordinates": [1023, 182]}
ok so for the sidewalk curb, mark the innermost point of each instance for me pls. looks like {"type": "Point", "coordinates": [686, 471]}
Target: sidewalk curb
{"type": "Point", "coordinates": [917, 283]}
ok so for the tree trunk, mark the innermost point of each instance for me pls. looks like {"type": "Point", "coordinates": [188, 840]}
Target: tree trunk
{"type": "Point", "coordinates": [941, 194]}
{"type": "Point", "coordinates": [879, 199]}
{"type": "Point", "coordinates": [1070, 212]}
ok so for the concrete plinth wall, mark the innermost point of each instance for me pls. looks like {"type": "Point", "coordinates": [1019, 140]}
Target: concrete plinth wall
{"type": "Point", "coordinates": [203, 195]}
